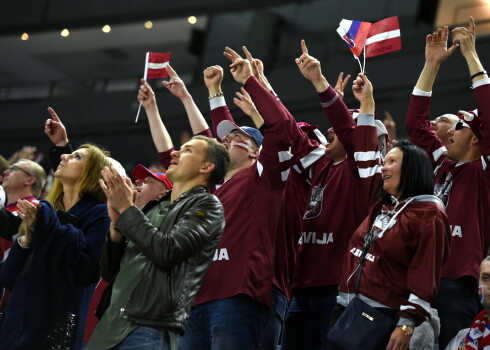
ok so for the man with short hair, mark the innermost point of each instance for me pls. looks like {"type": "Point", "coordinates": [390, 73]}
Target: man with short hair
{"type": "Point", "coordinates": [462, 177]}
{"type": "Point", "coordinates": [23, 180]}
{"type": "Point", "coordinates": [162, 257]}
{"type": "Point", "coordinates": [149, 185]}
{"type": "Point", "coordinates": [442, 124]}
{"type": "Point", "coordinates": [4, 165]}
{"type": "Point", "coordinates": [477, 337]}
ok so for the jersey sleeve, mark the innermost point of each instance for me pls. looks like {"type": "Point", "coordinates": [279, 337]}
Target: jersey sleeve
{"type": "Point", "coordinates": [425, 268]}
{"type": "Point", "coordinates": [481, 90]}
{"type": "Point", "coordinates": [219, 112]}
{"type": "Point", "coordinates": [339, 116]}
{"type": "Point", "coordinates": [165, 158]}
{"type": "Point", "coordinates": [275, 156]}
{"type": "Point", "coordinates": [420, 130]}
{"type": "Point", "coordinates": [367, 156]}
{"type": "Point", "coordinates": [305, 151]}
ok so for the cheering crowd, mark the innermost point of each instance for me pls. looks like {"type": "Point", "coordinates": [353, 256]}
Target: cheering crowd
{"type": "Point", "coordinates": [271, 236]}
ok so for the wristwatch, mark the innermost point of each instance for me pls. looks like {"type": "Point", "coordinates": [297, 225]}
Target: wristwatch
{"type": "Point", "coordinates": [408, 330]}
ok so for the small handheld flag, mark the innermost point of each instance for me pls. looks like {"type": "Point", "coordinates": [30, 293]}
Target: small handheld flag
{"type": "Point", "coordinates": [155, 64]}
{"type": "Point", "coordinates": [383, 37]}
{"type": "Point", "coordinates": [354, 34]}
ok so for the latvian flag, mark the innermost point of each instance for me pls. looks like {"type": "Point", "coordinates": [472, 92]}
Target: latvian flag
{"type": "Point", "coordinates": [354, 34]}
{"type": "Point", "coordinates": [383, 37]}
{"type": "Point", "coordinates": [155, 65]}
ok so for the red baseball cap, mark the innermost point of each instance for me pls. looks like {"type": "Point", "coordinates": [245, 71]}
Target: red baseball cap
{"type": "Point", "coordinates": [141, 172]}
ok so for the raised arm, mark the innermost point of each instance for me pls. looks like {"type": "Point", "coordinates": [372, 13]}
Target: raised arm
{"type": "Point", "coordinates": [58, 135]}
{"type": "Point", "coordinates": [465, 38]}
{"type": "Point", "coordinates": [436, 51]}
{"type": "Point", "coordinates": [417, 122]}
{"type": "Point", "coordinates": [333, 106]}
{"type": "Point", "coordinates": [213, 76]}
{"type": "Point", "coordinates": [177, 87]}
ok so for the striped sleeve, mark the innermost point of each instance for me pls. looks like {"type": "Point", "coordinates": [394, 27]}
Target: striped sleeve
{"type": "Point", "coordinates": [367, 157]}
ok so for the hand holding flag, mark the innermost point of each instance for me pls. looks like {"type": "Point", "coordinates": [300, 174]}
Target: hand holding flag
{"type": "Point", "coordinates": [155, 64]}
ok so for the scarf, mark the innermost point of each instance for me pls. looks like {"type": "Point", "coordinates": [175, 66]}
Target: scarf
{"type": "Point", "coordinates": [479, 335]}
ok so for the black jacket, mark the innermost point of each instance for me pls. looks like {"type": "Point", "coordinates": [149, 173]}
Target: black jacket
{"type": "Point", "coordinates": [179, 253]}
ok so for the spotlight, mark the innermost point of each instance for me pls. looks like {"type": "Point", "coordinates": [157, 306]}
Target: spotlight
{"type": "Point", "coordinates": [192, 19]}
{"type": "Point", "coordinates": [106, 28]}
{"type": "Point", "coordinates": [24, 36]}
{"type": "Point", "coordinates": [65, 32]}
{"type": "Point", "coordinates": [148, 24]}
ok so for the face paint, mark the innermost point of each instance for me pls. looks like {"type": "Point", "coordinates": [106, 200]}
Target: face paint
{"type": "Point", "coordinates": [241, 144]}
{"type": "Point", "coordinates": [480, 293]}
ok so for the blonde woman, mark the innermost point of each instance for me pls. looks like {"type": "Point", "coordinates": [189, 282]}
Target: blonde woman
{"type": "Point", "coordinates": [52, 267]}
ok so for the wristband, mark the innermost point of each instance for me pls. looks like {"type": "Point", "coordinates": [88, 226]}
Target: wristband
{"type": "Point", "coordinates": [215, 95]}
{"type": "Point", "coordinates": [478, 74]}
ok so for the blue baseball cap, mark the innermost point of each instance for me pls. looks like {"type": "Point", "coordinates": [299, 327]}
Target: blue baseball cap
{"type": "Point", "coordinates": [225, 127]}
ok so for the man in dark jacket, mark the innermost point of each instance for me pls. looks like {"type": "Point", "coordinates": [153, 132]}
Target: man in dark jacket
{"type": "Point", "coordinates": [158, 261]}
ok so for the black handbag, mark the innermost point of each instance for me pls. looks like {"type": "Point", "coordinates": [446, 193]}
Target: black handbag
{"type": "Point", "coordinates": [361, 326]}
{"type": "Point", "coordinates": [63, 335]}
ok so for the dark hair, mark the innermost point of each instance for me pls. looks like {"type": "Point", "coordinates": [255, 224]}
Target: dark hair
{"type": "Point", "coordinates": [417, 175]}
{"type": "Point", "coordinates": [217, 154]}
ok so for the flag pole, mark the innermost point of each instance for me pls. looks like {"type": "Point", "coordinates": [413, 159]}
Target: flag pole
{"type": "Point", "coordinates": [144, 77]}
{"type": "Point", "coordinates": [360, 65]}
{"type": "Point", "coordinates": [364, 55]}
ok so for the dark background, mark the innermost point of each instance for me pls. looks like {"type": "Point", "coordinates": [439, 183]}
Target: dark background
{"type": "Point", "coordinates": [91, 78]}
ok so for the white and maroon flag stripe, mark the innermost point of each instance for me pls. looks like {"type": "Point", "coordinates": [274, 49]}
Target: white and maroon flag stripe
{"type": "Point", "coordinates": [383, 37]}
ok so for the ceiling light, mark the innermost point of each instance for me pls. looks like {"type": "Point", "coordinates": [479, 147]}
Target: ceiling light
{"type": "Point", "coordinates": [106, 28]}
{"type": "Point", "coordinates": [65, 32]}
{"type": "Point", "coordinates": [24, 36]}
{"type": "Point", "coordinates": [192, 19]}
{"type": "Point", "coordinates": [148, 24]}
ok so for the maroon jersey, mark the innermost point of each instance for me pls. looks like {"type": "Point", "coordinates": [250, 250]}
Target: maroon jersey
{"type": "Point", "coordinates": [403, 266]}
{"type": "Point", "coordinates": [464, 187]}
{"type": "Point", "coordinates": [296, 197]}
{"type": "Point", "coordinates": [244, 260]}
{"type": "Point", "coordinates": [339, 197]}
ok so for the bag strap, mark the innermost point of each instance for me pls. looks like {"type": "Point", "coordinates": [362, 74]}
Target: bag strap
{"type": "Point", "coordinates": [368, 243]}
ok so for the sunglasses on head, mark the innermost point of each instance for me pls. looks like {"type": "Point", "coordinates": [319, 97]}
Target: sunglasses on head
{"type": "Point", "coordinates": [459, 126]}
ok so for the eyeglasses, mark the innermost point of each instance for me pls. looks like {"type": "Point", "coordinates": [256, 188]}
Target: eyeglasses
{"type": "Point", "coordinates": [459, 126]}
{"type": "Point", "coordinates": [14, 168]}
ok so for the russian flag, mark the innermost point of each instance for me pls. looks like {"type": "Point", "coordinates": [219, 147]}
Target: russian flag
{"type": "Point", "coordinates": [354, 34]}
{"type": "Point", "coordinates": [383, 37]}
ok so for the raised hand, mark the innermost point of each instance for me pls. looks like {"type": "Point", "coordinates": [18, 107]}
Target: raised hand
{"type": "Point", "coordinates": [146, 96]}
{"type": "Point", "coordinates": [175, 85]}
{"type": "Point", "coordinates": [240, 68]}
{"type": "Point", "coordinates": [341, 84]}
{"type": "Point", "coordinates": [362, 88]}
{"type": "Point", "coordinates": [245, 103]}
{"type": "Point", "coordinates": [465, 38]}
{"type": "Point", "coordinates": [310, 67]}
{"type": "Point", "coordinates": [28, 212]}
{"type": "Point", "coordinates": [55, 129]}
{"type": "Point", "coordinates": [213, 76]}
{"type": "Point", "coordinates": [118, 190]}
{"type": "Point", "coordinates": [390, 125]}
{"type": "Point", "coordinates": [436, 50]}
{"type": "Point", "coordinates": [257, 68]}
